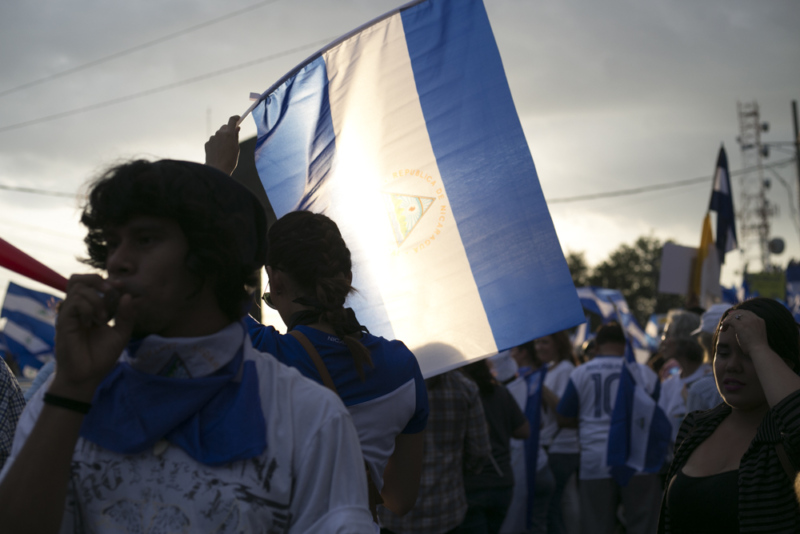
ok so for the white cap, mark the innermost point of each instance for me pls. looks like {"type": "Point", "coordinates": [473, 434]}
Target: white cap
{"type": "Point", "coordinates": [710, 319]}
{"type": "Point", "coordinates": [503, 366]}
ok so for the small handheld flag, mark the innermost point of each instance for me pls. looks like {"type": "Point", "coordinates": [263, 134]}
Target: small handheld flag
{"type": "Point", "coordinates": [30, 325]}
{"type": "Point", "coordinates": [404, 133]}
{"type": "Point", "coordinates": [640, 432]}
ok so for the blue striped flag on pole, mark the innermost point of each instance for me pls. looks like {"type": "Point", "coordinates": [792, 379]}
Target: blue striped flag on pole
{"type": "Point", "coordinates": [533, 410]}
{"type": "Point", "coordinates": [640, 432]}
{"type": "Point", "coordinates": [404, 132]}
{"type": "Point", "coordinates": [722, 203]}
{"type": "Point", "coordinates": [30, 325]}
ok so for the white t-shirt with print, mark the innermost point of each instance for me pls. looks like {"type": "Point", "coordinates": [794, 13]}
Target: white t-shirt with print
{"type": "Point", "coordinates": [310, 478]}
{"type": "Point", "coordinates": [590, 396]}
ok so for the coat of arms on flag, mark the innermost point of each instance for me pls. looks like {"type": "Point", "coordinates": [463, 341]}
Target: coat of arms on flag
{"type": "Point", "coordinates": [404, 133]}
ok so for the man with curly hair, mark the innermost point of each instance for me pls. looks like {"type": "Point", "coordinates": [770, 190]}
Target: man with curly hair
{"type": "Point", "coordinates": [165, 419]}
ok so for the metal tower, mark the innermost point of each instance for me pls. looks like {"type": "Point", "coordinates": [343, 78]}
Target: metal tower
{"type": "Point", "coordinates": [755, 209]}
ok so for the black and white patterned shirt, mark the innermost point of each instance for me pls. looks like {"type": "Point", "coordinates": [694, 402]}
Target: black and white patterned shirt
{"type": "Point", "coordinates": [11, 404]}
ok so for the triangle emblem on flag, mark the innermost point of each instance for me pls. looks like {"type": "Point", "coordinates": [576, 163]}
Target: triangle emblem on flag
{"type": "Point", "coordinates": [405, 212]}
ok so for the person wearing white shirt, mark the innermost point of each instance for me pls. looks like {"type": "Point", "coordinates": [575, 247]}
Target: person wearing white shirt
{"type": "Point", "coordinates": [702, 393]}
{"type": "Point", "coordinates": [587, 404]}
{"type": "Point", "coordinates": [166, 419]}
{"type": "Point", "coordinates": [555, 350]}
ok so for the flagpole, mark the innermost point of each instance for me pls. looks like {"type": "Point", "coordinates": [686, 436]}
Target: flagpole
{"type": "Point", "coordinates": [258, 98]}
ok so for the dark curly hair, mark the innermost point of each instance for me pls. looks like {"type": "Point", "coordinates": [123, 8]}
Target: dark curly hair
{"type": "Point", "coordinates": [223, 222]}
{"type": "Point", "coordinates": [309, 248]}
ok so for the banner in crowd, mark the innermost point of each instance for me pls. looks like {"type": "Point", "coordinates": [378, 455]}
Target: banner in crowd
{"type": "Point", "coordinates": [404, 132]}
{"type": "Point", "coordinates": [770, 285]}
{"type": "Point", "coordinates": [30, 325]}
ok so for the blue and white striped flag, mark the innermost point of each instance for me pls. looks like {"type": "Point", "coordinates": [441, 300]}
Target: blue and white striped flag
{"type": "Point", "coordinates": [722, 203]}
{"type": "Point", "coordinates": [30, 325]}
{"type": "Point", "coordinates": [611, 305]}
{"type": "Point", "coordinates": [640, 432]}
{"type": "Point", "coordinates": [593, 302]}
{"type": "Point", "coordinates": [404, 132]}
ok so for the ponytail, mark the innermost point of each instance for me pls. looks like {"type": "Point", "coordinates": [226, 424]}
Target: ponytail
{"type": "Point", "coordinates": [309, 248]}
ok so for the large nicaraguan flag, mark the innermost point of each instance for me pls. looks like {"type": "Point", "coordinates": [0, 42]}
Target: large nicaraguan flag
{"type": "Point", "coordinates": [30, 325]}
{"type": "Point", "coordinates": [404, 132]}
{"type": "Point", "coordinates": [722, 203]}
{"type": "Point", "coordinates": [640, 432]}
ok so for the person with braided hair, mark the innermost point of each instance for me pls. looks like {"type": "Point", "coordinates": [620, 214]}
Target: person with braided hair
{"type": "Point", "coordinates": [379, 380]}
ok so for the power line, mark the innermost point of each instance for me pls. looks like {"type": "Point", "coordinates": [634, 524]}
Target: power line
{"type": "Point", "coordinates": [658, 187]}
{"type": "Point", "coordinates": [136, 48]}
{"type": "Point", "coordinates": [562, 200]}
{"type": "Point", "coordinates": [35, 191]}
{"type": "Point", "coordinates": [162, 88]}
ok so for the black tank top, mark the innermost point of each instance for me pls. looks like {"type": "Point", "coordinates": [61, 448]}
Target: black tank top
{"type": "Point", "coordinates": [704, 505]}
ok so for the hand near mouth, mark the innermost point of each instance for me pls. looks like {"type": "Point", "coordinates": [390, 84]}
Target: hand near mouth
{"type": "Point", "coordinates": [87, 347]}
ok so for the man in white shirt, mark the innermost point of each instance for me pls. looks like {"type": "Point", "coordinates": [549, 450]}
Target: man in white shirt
{"type": "Point", "coordinates": [167, 420]}
{"type": "Point", "coordinates": [588, 403]}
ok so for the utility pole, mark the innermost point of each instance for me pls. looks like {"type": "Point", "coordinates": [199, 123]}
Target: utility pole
{"type": "Point", "coordinates": [796, 143]}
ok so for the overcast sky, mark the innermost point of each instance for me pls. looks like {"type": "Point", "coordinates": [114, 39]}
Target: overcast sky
{"type": "Point", "coordinates": [612, 95]}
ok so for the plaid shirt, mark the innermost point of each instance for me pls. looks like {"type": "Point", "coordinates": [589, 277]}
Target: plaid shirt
{"type": "Point", "coordinates": [11, 404]}
{"type": "Point", "coordinates": [456, 438]}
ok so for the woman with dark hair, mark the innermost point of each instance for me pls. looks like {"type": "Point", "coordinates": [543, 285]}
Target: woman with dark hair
{"type": "Point", "coordinates": [310, 275]}
{"type": "Point", "coordinates": [563, 452]}
{"type": "Point", "coordinates": [489, 492]}
{"type": "Point", "coordinates": [309, 270]}
{"type": "Point", "coordinates": [735, 464]}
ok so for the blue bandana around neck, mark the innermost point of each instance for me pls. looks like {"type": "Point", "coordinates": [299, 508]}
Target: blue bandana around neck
{"type": "Point", "coordinates": [216, 419]}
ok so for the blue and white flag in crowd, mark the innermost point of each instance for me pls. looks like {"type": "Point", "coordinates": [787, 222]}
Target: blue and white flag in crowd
{"type": "Point", "coordinates": [654, 329]}
{"type": "Point", "coordinates": [611, 305]}
{"type": "Point", "coordinates": [731, 295]}
{"type": "Point", "coordinates": [793, 289]}
{"type": "Point", "coordinates": [533, 411]}
{"type": "Point", "coordinates": [722, 203]}
{"type": "Point", "coordinates": [30, 325]}
{"type": "Point", "coordinates": [640, 432]}
{"type": "Point", "coordinates": [404, 133]}
{"type": "Point", "coordinates": [593, 302]}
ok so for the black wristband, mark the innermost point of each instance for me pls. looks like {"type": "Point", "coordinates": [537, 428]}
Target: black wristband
{"type": "Point", "coordinates": [69, 404]}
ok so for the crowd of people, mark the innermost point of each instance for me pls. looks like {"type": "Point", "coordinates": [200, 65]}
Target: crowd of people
{"type": "Point", "coordinates": [170, 409]}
